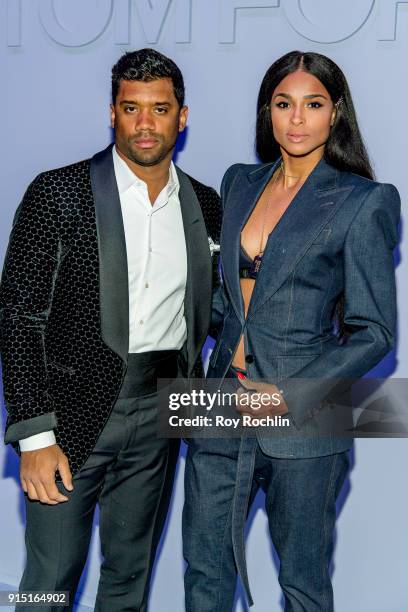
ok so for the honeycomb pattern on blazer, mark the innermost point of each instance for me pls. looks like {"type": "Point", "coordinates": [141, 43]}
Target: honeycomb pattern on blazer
{"type": "Point", "coordinates": [53, 356]}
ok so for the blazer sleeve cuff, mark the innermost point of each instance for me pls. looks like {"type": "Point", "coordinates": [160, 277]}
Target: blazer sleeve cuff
{"type": "Point", "coordinates": [302, 400]}
{"type": "Point", "coordinates": [30, 427]}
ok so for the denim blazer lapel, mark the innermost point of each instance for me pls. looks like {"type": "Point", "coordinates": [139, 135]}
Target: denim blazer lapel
{"type": "Point", "coordinates": [113, 270]}
{"type": "Point", "coordinates": [311, 209]}
{"type": "Point", "coordinates": [245, 193]}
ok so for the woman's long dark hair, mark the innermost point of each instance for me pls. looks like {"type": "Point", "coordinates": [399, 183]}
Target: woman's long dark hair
{"type": "Point", "coordinates": [344, 149]}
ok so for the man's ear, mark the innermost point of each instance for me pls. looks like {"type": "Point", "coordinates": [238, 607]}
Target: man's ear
{"type": "Point", "coordinates": [183, 118]}
{"type": "Point", "coordinates": [112, 115]}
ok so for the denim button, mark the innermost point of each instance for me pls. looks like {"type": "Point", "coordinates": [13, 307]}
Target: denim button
{"type": "Point", "coordinates": [249, 358]}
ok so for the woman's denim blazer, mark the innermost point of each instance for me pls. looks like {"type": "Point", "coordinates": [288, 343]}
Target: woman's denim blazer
{"type": "Point", "coordinates": [335, 239]}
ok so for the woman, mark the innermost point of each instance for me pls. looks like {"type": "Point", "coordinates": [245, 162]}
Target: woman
{"type": "Point", "coordinates": [307, 237]}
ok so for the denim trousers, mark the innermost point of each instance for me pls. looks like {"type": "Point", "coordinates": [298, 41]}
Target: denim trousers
{"type": "Point", "coordinates": [221, 481]}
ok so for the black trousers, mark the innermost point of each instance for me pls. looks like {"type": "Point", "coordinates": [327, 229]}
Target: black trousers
{"type": "Point", "coordinates": [130, 474]}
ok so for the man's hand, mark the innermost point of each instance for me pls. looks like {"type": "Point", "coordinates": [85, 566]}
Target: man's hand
{"type": "Point", "coordinates": [37, 474]}
{"type": "Point", "coordinates": [266, 399]}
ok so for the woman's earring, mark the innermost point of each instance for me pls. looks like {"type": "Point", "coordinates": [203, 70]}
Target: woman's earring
{"type": "Point", "coordinates": [336, 105]}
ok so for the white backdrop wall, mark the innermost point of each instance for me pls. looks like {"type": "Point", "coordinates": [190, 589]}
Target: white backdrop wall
{"type": "Point", "coordinates": [55, 60]}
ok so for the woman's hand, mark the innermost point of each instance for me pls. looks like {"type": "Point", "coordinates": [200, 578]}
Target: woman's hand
{"type": "Point", "coordinates": [259, 399]}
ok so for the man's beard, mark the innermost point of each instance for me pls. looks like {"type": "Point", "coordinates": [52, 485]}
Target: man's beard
{"type": "Point", "coordinates": [148, 157]}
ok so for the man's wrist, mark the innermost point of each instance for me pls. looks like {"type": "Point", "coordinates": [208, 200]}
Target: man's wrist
{"type": "Point", "coordinates": [38, 441]}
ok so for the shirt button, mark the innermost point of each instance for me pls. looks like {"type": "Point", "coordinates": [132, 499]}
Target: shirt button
{"type": "Point", "coordinates": [141, 321]}
{"type": "Point", "coordinates": [146, 285]}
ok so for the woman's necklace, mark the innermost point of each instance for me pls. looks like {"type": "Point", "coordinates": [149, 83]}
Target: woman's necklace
{"type": "Point", "coordinates": [282, 169]}
{"type": "Point", "coordinates": [257, 261]}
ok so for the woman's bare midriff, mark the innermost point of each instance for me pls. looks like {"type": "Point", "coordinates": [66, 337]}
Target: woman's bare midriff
{"type": "Point", "coordinates": [247, 287]}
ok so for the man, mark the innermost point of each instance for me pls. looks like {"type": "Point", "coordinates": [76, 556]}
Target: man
{"type": "Point", "coordinates": [106, 288]}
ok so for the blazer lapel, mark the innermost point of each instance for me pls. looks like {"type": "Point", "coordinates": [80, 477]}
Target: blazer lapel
{"type": "Point", "coordinates": [244, 197]}
{"type": "Point", "coordinates": [113, 272]}
{"type": "Point", "coordinates": [311, 209]}
{"type": "Point", "coordinates": [197, 303]}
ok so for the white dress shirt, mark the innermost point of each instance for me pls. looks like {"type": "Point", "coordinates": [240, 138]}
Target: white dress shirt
{"type": "Point", "coordinates": [157, 261]}
{"type": "Point", "coordinates": [157, 269]}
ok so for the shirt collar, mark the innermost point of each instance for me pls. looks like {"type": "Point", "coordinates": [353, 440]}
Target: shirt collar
{"type": "Point", "coordinates": [125, 178]}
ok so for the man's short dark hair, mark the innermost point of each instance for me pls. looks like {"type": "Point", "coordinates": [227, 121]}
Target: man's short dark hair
{"type": "Point", "coordinates": [147, 65]}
